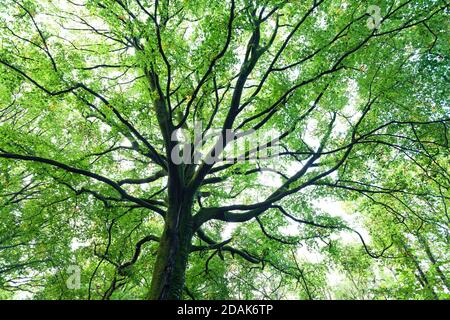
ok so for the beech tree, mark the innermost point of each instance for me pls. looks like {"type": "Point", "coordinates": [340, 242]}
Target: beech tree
{"type": "Point", "coordinates": [116, 158]}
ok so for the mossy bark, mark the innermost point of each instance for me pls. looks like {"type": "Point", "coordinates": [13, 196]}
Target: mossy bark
{"type": "Point", "coordinates": [170, 267]}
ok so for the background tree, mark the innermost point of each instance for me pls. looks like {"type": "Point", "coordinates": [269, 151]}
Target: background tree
{"type": "Point", "coordinates": [93, 93]}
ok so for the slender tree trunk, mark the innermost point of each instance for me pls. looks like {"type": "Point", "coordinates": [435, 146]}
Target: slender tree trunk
{"type": "Point", "coordinates": [423, 279]}
{"type": "Point", "coordinates": [434, 262]}
{"type": "Point", "coordinates": [169, 271]}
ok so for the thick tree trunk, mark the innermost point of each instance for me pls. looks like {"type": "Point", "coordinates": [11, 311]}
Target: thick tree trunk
{"type": "Point", "coordinates": [169, 271]}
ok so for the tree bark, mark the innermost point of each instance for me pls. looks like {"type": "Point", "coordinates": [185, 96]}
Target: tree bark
{"type": "Point", "coordinates": [170, 267]}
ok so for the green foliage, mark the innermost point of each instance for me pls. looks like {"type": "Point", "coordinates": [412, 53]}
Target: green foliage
{"type": "Point", "coordinates": [354, 206]}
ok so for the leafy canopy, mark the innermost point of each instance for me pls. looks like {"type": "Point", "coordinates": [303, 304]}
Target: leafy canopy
{"type": "Point", "coordinates": [92, 91]}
